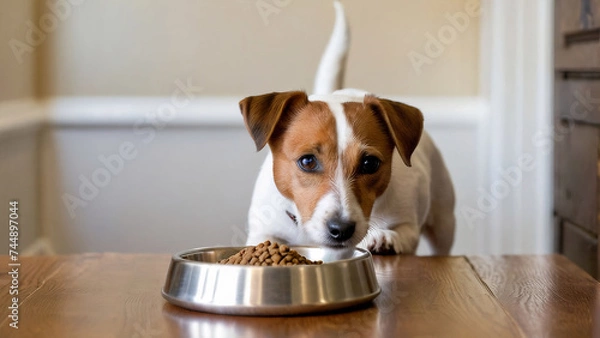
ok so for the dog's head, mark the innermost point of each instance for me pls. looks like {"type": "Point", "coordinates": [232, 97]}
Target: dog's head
{"type": "Point", "coordinates": [332, 157]}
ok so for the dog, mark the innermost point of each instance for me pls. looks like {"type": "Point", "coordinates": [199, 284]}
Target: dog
{"type": "Point", "coordinates": [346, 168]}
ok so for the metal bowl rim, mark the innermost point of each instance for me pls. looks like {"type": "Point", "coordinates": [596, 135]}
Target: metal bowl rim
{"type": "Point", "coordinates": [177, 257]}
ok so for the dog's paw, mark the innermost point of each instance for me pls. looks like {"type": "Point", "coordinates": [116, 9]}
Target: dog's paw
{"type": "Point", "coordinates": [388, 242]}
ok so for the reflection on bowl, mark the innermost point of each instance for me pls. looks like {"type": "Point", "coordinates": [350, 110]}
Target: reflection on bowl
{"type": "Point", "coordinates": [345, 278]}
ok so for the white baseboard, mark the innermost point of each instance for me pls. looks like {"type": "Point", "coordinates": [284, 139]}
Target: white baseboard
{"type": "Point", "coordinates": [221, 111]}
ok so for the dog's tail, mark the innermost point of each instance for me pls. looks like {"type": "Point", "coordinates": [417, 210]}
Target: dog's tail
{"type": "Point", "coordinates": [330, 75]}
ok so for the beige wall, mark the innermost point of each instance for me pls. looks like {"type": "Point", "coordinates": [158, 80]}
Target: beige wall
{"type": "Point", "coordinates": [17, 73]}
{"type": "Point", "coordinates": [19, 181]}
{"type": "Point", "coordinates": [141, 47]}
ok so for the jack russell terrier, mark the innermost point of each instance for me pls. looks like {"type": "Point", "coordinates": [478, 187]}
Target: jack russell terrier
{"type": "Point", "coordinates": [346, 168]}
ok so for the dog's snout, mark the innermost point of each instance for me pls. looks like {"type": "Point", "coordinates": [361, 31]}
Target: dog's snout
{"type": "Point", "coordinates": [340, 230]}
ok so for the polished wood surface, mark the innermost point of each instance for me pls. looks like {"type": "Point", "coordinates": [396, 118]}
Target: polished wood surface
{"type": "Point", "coordinates": [118, 295]}
{"type": "Point", "coordinates": [547, 295]}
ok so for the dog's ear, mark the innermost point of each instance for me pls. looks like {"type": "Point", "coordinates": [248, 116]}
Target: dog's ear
{"type": "Point", "coordinates": [404, 122]}
{"type": "Point", "coordinates": [263, 112]}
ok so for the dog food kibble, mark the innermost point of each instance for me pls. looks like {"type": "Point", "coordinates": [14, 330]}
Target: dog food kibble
{"type": "Point", "coordinates": [268, 254]}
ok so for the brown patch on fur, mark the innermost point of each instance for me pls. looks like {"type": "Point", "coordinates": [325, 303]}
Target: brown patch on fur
{"type": "Point", "coordinates": [370, 138]}
{"type": "Point", "coordinates": [404, 122]}
{"type": "Point", "coordinates": [311, 131]}
{"type": "Point", "coordinates": [263, 113]}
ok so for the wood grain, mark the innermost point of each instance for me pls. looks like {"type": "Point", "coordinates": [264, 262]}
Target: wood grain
{"type": "Point", "coordinates": [95, 295]}
{"type": "Point", "coordinates": [32, 276]}
{"type": "Point", "coordinates": [118, 295]}
{"type": "Point", "coordinates": [443, 289]}
{"type": "Point", "coordinates": [547, 295]}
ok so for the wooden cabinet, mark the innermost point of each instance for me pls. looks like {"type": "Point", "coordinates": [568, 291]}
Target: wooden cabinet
{"type": "Point", "coordinates": [580, 246]}
{"type": "Point", "coordinates": [577, 27]}
{"type": "Point", "coordinates": [577, 131]}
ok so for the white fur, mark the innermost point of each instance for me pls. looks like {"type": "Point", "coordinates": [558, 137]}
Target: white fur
{"type": "Point", "coordinates": [342, 128]}
{"type": "Point", "coordinates": [419, 199]}
{"type": "Point", "coordinates": [267, 216]}
{"type": "Point", "coordinates": [330, 75]}
{"type": "Point", "coordinates": [347, 205]}
{"type": "Point", "coordinates": [344, 202]}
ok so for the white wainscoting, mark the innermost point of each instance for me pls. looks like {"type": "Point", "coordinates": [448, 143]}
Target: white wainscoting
{"type": "Point", "coordinates": [190, 175]}
{"type": "Point", "coordinates": [184, 179]}
{"type": "Point", "coordinates": [21, 123]}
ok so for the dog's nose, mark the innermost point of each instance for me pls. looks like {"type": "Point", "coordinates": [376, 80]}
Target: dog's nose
{"type": "Point", "coordinates": [340, 230]}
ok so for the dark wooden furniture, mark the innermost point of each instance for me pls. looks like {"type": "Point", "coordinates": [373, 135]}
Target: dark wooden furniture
{"type": "Point", "coordinates": [118, 295]}
{"type": "Point", "coordinates": [577, 131]}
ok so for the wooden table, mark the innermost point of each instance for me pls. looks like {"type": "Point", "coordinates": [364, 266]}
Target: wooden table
{"type": "Point", "coordinates": [118, 295]}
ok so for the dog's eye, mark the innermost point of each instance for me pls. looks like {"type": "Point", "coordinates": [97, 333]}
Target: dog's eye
{"type": "Point", "coordinates": [308, 163]}
{"type": "Point", "coordinates": [369, 165]}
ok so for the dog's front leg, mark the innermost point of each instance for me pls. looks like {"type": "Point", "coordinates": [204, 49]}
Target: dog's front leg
{"type": "Point", "coordinates": [399, 239]}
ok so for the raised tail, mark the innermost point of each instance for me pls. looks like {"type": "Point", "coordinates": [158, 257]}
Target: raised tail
{"type": "Point", "coordinates": [330, 75]}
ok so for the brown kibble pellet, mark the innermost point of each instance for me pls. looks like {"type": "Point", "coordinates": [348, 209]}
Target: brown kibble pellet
{"type": "Point", "coordinates": [268, 254]}
{"type": "Point", "coordinates": [263, 256]}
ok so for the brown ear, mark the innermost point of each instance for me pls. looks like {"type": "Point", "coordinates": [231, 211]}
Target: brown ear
{"type": "Point", "coordinates": [404, 122]}
{"type": "Point", "coordinates": [263, 112]}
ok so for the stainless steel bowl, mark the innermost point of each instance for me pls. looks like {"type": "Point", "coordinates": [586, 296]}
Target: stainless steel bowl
{"type": "Point", "coordinates": [196, 282]}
